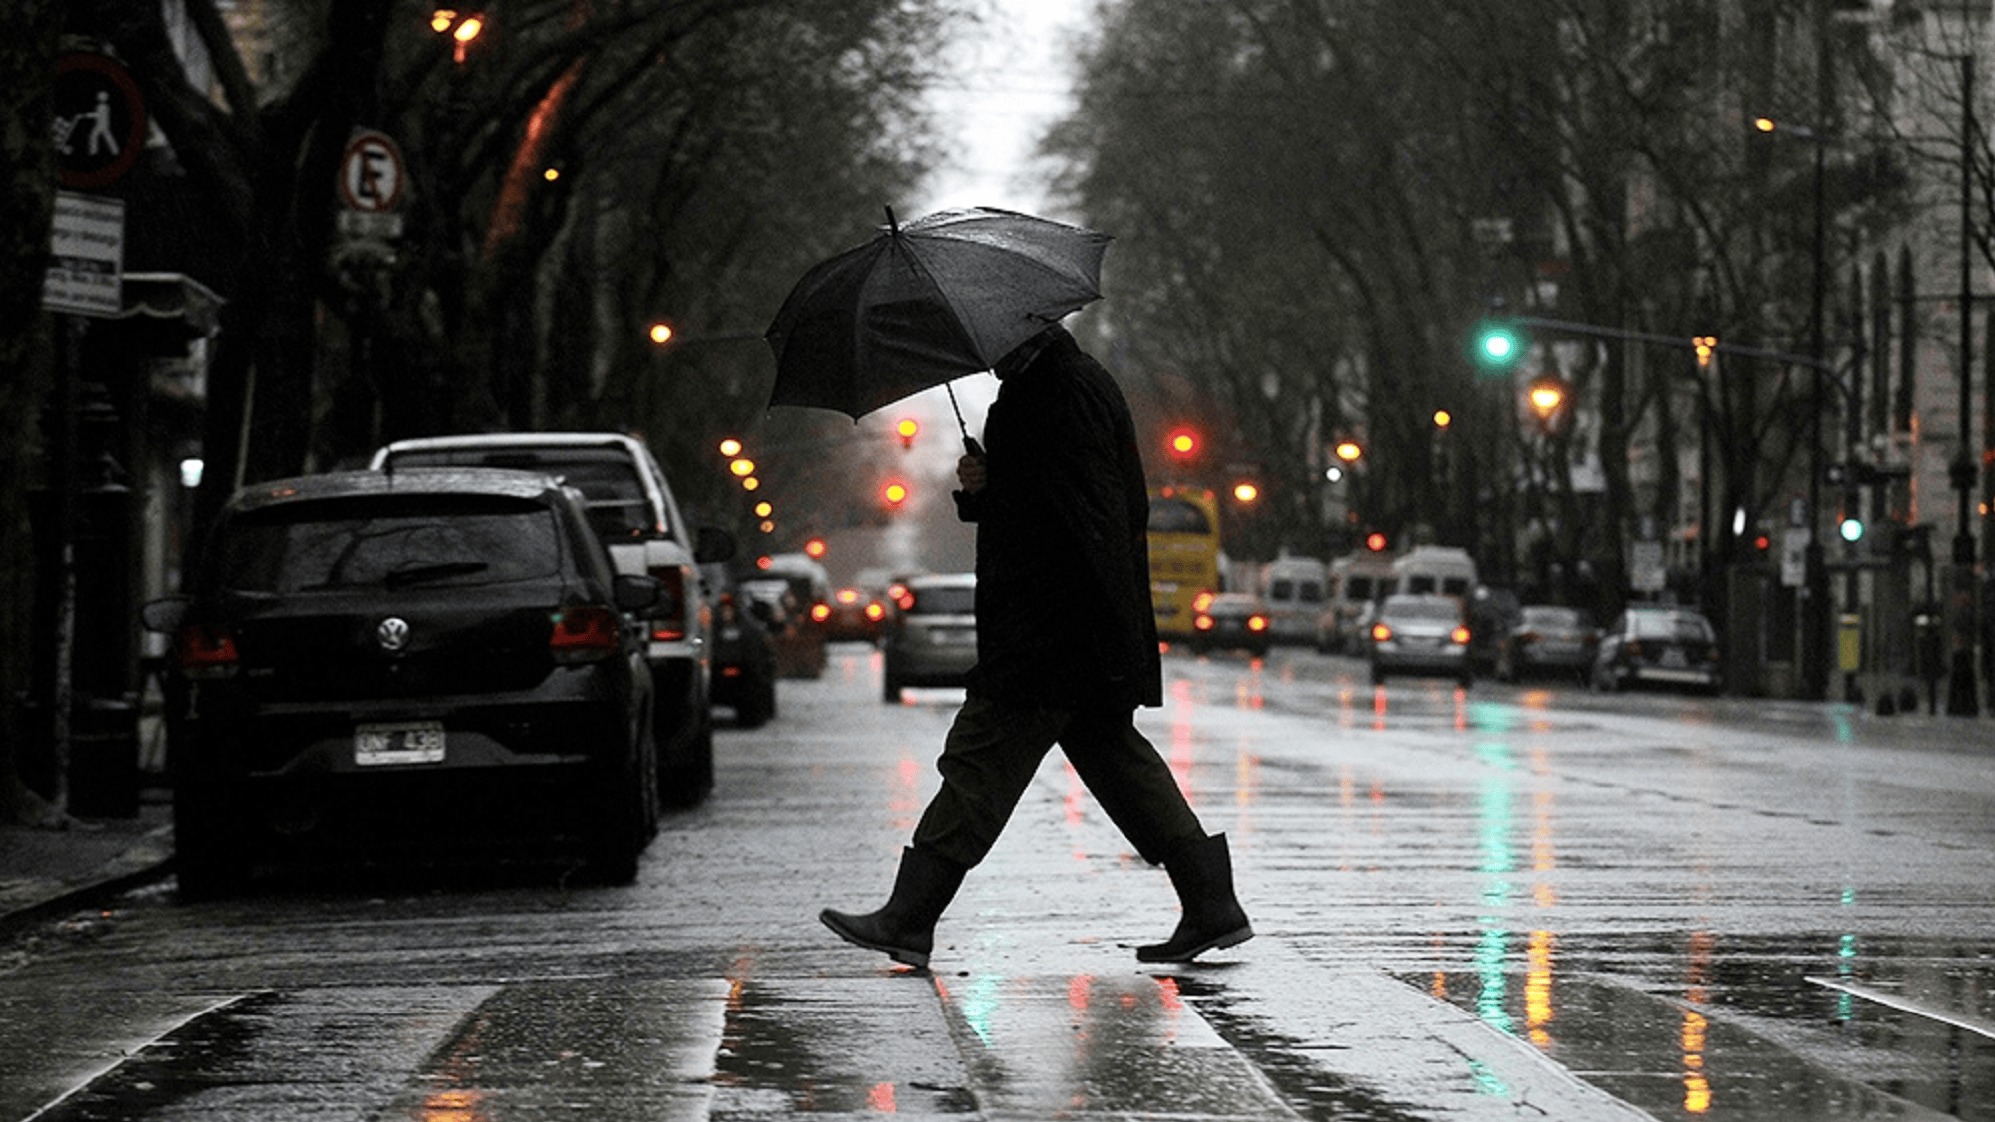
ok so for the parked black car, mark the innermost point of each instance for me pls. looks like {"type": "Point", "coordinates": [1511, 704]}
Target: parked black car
{"type": "Point", "coordinates": [631, 506]}
{"type": "Point", "coordinates": [1649, 645]}
{"type": "Point", "coordinates": [434, 663]}
{"type": "Point", "coordinates": [744, 659]}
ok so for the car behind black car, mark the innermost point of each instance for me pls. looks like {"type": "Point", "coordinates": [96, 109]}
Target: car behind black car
{"type": "Point", "coordinates": [431, 664]}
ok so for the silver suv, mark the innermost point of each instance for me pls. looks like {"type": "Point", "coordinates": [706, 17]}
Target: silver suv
{"type": "Point", "coordinates": [631, 507]}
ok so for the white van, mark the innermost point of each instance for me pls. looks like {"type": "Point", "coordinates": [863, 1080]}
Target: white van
{"type": "Point", "coordinates": [1357, 583]}
{"type": "Point", "coordinates": [1441, 569]}
{"type": "Point", "coordinates": [1294, 590]}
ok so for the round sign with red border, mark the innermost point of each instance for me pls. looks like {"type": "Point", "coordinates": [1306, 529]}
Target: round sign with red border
{"type": "Point", "coordinates": [99, 124]}
{"type": "Point", "coordinates": [372, 177]}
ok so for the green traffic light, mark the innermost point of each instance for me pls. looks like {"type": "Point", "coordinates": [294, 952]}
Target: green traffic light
{"type": "Point", "coordinates": [1851, 529]}
{"type": "Point", "coordinates": [1497, 347]}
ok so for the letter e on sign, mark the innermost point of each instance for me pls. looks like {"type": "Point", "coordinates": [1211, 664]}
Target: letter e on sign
{"type": "Point", "coordinates": [371, 175]}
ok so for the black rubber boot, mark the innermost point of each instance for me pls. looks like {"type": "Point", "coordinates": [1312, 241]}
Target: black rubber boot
{"type": "Point", "coordinates": [1202, 872]}
{"type": "Point", "coordinates": [905, 927]}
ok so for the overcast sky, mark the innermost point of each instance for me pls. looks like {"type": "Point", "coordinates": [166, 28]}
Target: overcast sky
{"type": "Point", "coordinates": [1012, 79]}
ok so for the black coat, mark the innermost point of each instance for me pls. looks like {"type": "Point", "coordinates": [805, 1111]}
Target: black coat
{"type": "Point", "coordinates": [1063, 565]}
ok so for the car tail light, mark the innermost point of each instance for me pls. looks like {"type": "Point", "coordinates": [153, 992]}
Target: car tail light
{"type": "Point", "coordinates": [1380, 632]}
{"type": "Point", "coordinates": [1257, 622]}
{"type": "Point", "coordinates": [207, 652]}
{"type": "Point", "coordinates": [1460, 636]}
{"type": "Point", "coordinates": [1203, 622]}
{"type": "Point", "coordinates": [668, 616]}
{"type": "Point", "coordinates": [820, 612]}
{"type": "Point", "coordinates": [1201, 602]}
{"type": "Point", "coordinates": [876, 611]}
{"type": "Point", "coordinates": [584, 634]}
{"type": "Point", "coordinates": [848, 596]}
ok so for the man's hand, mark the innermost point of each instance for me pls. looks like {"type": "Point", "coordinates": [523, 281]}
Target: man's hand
{"type": "Point", "coordinates": [970, 473]}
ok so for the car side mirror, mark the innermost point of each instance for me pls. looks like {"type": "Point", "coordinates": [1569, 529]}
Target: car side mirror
{"type": "Point", "coordinates": [164, 616]}
{"type": "Point", "coordinates": [635, 592]}
{"type": "Point", "coordinates": [713, 545]}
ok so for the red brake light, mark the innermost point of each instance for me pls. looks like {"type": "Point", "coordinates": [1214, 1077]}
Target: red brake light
{"type": "Point", "coordinates": [1201, 602]}
{"type": "Point", "coordinates": [207, 652]}
{"type": "Point", "coordinates": [1257, 622]}
{"type": "Point", "coordinates": [876, 611]}
{"type": "Point", "coordinates": [820, 612]}
{"type": "Point", "coordinates": [1460, 635]}
{"type": "Point", "coordinates": [583, 634]}
{"type": "Point", "coordinates": [1380, 632]}
{"type": "Point", "coordinates": [1203, 622]}
{"type": "Point", "coordinates": [848, 596]}
{"type": "Point", "coordinates": [668, 615]}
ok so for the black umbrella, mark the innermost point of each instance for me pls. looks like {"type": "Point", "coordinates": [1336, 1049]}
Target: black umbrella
{"type": "Point", "coordinates": [922, 304]}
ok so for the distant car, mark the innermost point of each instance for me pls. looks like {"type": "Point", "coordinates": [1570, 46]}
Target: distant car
{"type": "Point", "coordinates": [798, 642]}
{"type": "Point", "coordinates": [1548, 640]}
{"type": "Point", "coordinates": [1231, 621]}
{"type": "Point", "coordinates": [431, 664]}
{"type": "Point", "coordinates": [1493, 615]}
{"type": "Point", "coordinates": [857, 613]}
{"type": "Point", "coordinates": [1659, 646]}
{"type": "Point", "coordinates": [744, 660]}
{"type": "Point", "coordinates": [934, 638]}
{"type": "Point", "coordinates": [631, 506]}
{"type": "Point", "coordinates": [1420, 633]}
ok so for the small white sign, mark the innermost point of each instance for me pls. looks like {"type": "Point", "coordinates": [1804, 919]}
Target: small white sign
{"type": "Point", "coordinates": [1794, 558]}
{"type": "Point", "coordinates": [1645, 567]}
{"type": "Point", "coordinates": [86, 256]}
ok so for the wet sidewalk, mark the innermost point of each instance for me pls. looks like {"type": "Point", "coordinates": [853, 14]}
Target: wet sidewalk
{"type": "Point", "coordinates": [46, 870]}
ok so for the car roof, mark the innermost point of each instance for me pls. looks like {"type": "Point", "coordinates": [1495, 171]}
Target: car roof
{"type": "Point", "coordinates": [517, 440]}
{"type": "Point", "coordinates": [411, 481]}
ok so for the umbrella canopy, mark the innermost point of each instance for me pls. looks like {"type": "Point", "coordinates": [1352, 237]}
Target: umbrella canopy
{"type": "Point", "coordinates": [921, 304]}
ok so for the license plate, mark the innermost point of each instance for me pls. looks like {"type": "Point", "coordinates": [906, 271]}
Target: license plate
{"type": "Point", "coordinates": [413, 742]}
{"type": "Point", "coordinates": [1674, 659]}
{"type": "Point", "coordinates": [955, 636]}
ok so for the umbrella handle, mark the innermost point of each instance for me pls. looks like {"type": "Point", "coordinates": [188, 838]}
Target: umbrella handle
{"type": "Point", "coordinates": [971, 446]}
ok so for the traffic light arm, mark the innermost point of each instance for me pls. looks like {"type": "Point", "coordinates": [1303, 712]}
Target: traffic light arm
{"type": "Point", "coordinates": [1686, 342]}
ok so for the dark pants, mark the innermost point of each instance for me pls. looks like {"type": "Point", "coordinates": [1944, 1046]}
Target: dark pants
{"type": "Point", "coordinates": [993, 750]}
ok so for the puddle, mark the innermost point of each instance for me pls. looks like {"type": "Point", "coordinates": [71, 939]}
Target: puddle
{"type": "Point", "coordinates": [1752, 1030]}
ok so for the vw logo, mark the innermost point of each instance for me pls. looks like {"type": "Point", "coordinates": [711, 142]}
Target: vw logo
{"type": "Point", "coordinates": [392, 633]}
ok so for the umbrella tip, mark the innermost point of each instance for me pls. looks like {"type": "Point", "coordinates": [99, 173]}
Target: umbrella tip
{"type": "Point", "coordinates": [893, 227]}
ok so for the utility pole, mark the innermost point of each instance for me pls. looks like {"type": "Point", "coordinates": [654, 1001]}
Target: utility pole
{"type": "Point", "coordinates": [1962, 692]}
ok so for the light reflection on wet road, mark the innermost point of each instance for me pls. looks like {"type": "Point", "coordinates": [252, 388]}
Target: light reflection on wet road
{"type": "Point", "coordinates": [1705, 909]}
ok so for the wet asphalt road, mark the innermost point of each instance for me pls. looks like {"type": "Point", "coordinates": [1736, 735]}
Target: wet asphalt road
{"type": "Point", "coordinates": [1505, 903]}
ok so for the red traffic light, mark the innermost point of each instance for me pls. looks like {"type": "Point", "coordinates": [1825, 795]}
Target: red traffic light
{"type": "Point", "coordinates": [894, 493]}
{"type": "Point", "coordinates": [1375, 541]}
{"type": "Point", "coordinates": [815, 547]}
{"type": "Point", "coordinates": [906, 430]}
{"type": "Point", "coordinates": [1182, 442]}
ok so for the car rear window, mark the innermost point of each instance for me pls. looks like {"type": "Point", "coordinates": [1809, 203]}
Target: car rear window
{"type": "Point", "coordinates": [608, 480]}
{"type": "Point", "coordinates": [1553, 617]}
{"type": "Point", "coordinates": [945, 601]}
{"type": "Point", "coordinates": [1424, 609]}
{"type": "Point", "coordinates": [389, 542]}
{"type": "Point", "coordinates": [1670, 625]}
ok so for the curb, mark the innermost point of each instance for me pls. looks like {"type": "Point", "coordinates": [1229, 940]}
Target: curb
{"type": "Point", "coordinates": [151, 865]}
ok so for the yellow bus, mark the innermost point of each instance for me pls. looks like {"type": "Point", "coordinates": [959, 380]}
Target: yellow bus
{"type": "Point", "coordinates": [1184, 555]}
